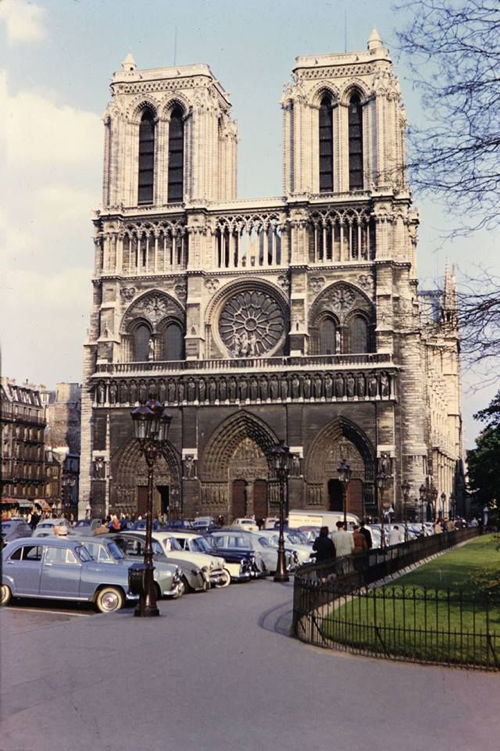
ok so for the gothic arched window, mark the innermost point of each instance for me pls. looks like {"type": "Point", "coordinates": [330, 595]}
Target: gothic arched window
{"type": "Point", "coordinates": [176, 156]}
{"type": "Point", "coordinates": [358, 335]}
{"type": "Point", "coordinates": [141, 339]}
{"type": "Point", "coordinates": [355, 143]}
{"type": "Point", "coordinates": [146, 157]}
{"type": "Point", "coordinates": [173, 342]}
{"type": "Point", "coordinates": [327, 336]}
{"type": "Point", "coordinates": [326, 145]}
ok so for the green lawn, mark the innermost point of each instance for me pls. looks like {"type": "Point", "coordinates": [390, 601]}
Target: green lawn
{"type": "Point", "coordinates": [433, 613]}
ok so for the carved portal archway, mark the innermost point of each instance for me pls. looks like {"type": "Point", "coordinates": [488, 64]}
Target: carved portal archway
{"type": "Point", "coordinates": [128, 488]}
{"type": "Point", "coordinates": [340, 439]}
{"type": "Point", "coordinates": [234, 467]}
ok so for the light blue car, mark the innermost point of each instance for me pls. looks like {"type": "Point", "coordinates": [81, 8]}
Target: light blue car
{"type": "Point", "coordinates": [61, 568]}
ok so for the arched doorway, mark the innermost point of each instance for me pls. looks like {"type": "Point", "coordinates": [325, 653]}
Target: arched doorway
{"type": "Point", "coordinates": [239, 498]}
{"type": "Point", "coordinates": [335, 495]}
{"type": "Point", "coordinates": [260, 499]}
{"type": "Point", "coordinates": [355, 498]}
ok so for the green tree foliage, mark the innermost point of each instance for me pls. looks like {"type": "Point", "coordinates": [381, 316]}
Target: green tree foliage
{"type": "Point", "coordinates": [484, 460]}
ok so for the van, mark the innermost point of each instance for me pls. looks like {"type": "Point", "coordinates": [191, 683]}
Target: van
{"type": "Point", "coordinates": [306, 518]}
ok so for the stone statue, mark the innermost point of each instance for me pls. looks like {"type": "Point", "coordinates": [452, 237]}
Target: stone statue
{"type": "Point", "coordinates": [295, 386]}
{"type": "Point", "coordinates": [339, 386]}
{"type": "Point", "coordinates": [222, 390]}
{"type": "Point", "coordinates": [212, 391]}
{"type": "Point", "coordinates": [307, 387]}
{"type": "Point", "coordinates": [191, 390]}
{"type": "Point", "coordinates": [171, 390]}
{"type": "Point", "coordinates": [360, 384]}
{"type": "Point", "coordinates": [318, 386]}
{"type": "Point", "coordinates": [232, 389]}
{"type": "Point", "coordinates": [112, 392]}
{"type": "Point", "coordinates": [151, 349]}
{"type": "Point", "coordinates": [373, 386]}
{"type": "Point", "coordinates": [328, 384]}
{"type": "Point", "coordinates": [189, 470]}
{"type": "Point", "coordinates": [284, 388]}
{"type": "Point", "coordinates": [180, 391]}
{"type": "Point", "coordinates": [274, 388]}
{"type": "Point", "coordinates": [384, 385]}
{"type": "Point", "coordinates": [243, 389]}
{"type": "Point", "coordinates": [350, 385]}
{"type": "Point", "coordinates": [254, 389]}
{"type": "Point", "coordinates": [264, 391]}
{"type": "Point", "coordinates": [201, 389]}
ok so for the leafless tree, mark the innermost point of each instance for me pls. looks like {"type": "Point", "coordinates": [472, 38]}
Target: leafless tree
{"type": "Point", "coordinates": [479, 319]}
{"type": "Point", "coordinates": [453, 47]}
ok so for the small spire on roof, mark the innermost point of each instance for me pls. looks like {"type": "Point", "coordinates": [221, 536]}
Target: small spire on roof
{"type": "Point", "coordinates": [129, 63]}
{"type": "Point", "coordinates": [374, 40]}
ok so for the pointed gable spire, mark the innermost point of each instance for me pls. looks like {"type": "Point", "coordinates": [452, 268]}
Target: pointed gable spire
{"type": "Point", "coordinates": [374, 40]}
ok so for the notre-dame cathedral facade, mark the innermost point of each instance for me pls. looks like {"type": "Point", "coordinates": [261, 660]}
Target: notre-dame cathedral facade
{"type": "Point", "coordinates": [293, 318]}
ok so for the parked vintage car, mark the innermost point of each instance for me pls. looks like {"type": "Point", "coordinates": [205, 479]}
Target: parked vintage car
{"type": "Point", "coordinates": [245, 523]}
{"type": "Point", "coordinates": [265, 553]}
{"type": "Point", "coordinates": [212, 565]}
{"type": "Point", "coordinates": [14, 528]}
{"type": "Point", "coordinates": [167, 576]}
{"type": "Point", "coordinates": [294, 542]}
{"type": "Point", "coordinates": [238, 566]}
{"type": "Point", "coordinates": [46, 527]}
{"type": "Point", "coordinates": [61, 568]}
{"type": "Point", "coordinates": [194, 578]}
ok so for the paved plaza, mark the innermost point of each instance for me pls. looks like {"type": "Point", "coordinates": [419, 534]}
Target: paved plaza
{"type": "Point", "coordinates": [219, 671]}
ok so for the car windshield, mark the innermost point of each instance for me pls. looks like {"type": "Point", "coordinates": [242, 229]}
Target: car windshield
{"type": "Point", "coordinates": [170, 543]}
{"type": "Point", "coordinates": [296, 538]}
{"type": "Point", "coordinates": [83, 554]}
{"type": "Point", "coordinates": [200, 545]}
{"type": "Point", "coordinates": [266, 542]}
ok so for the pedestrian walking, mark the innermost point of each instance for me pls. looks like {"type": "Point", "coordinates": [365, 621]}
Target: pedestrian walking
{"type": "Point", "coordinates": [343, 541]}
{"type": "Point", "coordinates": [367, 534]}
{"type": "Point", "coordinates": [324, 547]}
{"type": "Point", "coordinates": [360, 544]}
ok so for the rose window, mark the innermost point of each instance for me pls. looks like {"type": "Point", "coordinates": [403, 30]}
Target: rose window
{"type": "Point", "coordinates": [251, 324]}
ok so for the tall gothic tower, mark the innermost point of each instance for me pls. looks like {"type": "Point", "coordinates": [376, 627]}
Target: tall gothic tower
{"type": "Point", "coordinates": [292, 318]}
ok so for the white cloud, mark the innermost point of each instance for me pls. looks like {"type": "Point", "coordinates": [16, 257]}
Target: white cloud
{"type": "Point", "coordinates": [37, 130]}
{"type": "Point", "coordinates": [24, 21]}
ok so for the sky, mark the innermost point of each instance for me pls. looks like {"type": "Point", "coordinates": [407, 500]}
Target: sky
{"type": "Point", "coordinates": [56, 60]}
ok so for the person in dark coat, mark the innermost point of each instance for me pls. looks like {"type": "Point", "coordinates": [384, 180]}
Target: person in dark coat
{"type": "Point", "coordinates": [367, 534]}
{"type": "Point", "coordinates": [324, 547]}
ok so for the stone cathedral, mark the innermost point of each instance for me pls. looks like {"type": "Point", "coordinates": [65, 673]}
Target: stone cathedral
{"type": "Point", "coordinates": [294, 318]}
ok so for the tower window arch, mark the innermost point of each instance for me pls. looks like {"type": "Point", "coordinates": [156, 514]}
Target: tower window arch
{"type": "Point", "coordinates": [172, 342]}
{"type": "Point", "coordinates": [146, 158]}
{"type": "Point", "coordinates": [328, 335]}
{"type": "Point", "coordinates": [176, 156]}
{"type": "Point", "coordinates": [326, 144]}
{"type": "Point", "coordinates": [358, 335]}
{"type": "Point", "coordinates": [141, 339]}
{"type": "Point", "coordinates": [355, 142]}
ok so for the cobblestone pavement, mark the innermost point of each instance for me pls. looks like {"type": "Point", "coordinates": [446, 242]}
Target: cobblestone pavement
{"type": "Point", "coordinates": [219, 671]}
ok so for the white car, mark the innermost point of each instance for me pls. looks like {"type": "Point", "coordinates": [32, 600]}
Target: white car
{"type": "Point", "coordinates": [213, 566]}
{"type": "Point", "coordinates": [293, 542]}
{"type": "Point", "coordinates": [196, 543]}
{"type": "Point", "coordinates": [46, 527]}
{"type": "Point", "coordinates": [244, 523]}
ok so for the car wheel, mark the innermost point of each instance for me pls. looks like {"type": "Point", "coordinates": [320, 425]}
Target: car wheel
{"type": "Point", "coordinates": [6, 595]}
{"type": "Point", "coordinates": [180, 590]}
{"type": "Point", "coordinates": [109, 599]}
{"type": "Point", "coordinates": [158, 594]}
{"type": "Point", "coordinates": [187, 586]}
{"type": "Point", "coordinates": [224, 579]}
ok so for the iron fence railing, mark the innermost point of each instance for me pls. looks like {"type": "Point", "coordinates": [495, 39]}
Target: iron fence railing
{"type": "Point", "coordinates": [334, 607]}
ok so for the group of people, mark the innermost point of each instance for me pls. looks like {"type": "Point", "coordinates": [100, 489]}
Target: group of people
{"type": "Point", "coordinates": [342, 542]}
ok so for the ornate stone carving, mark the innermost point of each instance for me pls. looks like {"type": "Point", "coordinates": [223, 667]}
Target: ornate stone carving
{"type": "Point", "coordinates": [317, 283]}
{"type": "Point", "coordinates": [341, 298]}
{"type": "Point", "coordinates": [127, 293]}
{"type": "Point", "coordinates": [251, 324]}
{"type": "Point", "coordinates": [211, 285]}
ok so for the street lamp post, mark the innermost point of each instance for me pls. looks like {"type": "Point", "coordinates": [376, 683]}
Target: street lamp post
{"type": "Point", "coordinates": [151, 424]}
{"type": "Point", "coordinates": [280, 458]}
{"type": "Point", "coordinates": [345, 473]}
{"type": "Point", "coordinates": [452, 505]}
{"type": "Point", "coordinates": [443, 503]}
{"type": "Point", "coordinates": [405, 487]}
{"type": "Point", "coordinates": [423, 498]}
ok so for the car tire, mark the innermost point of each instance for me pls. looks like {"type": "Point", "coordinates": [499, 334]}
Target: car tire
{"type": "Point", "coordinates": [109, 599]}
{"type": "Point", "coordinates": [6, 595]}
{"type": "Point", "coordinates": [158, 593]}
{"type": "Point", "coordinates": [181, 590]}
{"type": "Point", "coordinates": [225, 579]}
{"type": "Point", "coordinates": [187, 586]}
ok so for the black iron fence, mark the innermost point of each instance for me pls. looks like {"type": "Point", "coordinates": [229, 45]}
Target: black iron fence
{"type": "Point", "coordinates": [334, 607]}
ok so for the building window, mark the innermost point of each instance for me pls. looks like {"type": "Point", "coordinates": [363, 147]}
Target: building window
{"type": "Point", "coordinates": [141, 343]}
{"type": "Point", "coordinates": [326, 145]}
{"type": "Point", "coordinates": [355, 143]}
{"type": "Point", "coordinates": [146, 157]}
{"type": "Point", "coordinates": [358, 335]}
{"type": "Point", "coordinates": [173, 342]}
{"type": "Point", "coordinates": [328, 334]}
{"type": "Point", "coordinates": [176, 156]}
